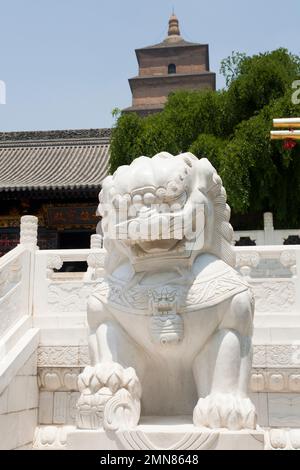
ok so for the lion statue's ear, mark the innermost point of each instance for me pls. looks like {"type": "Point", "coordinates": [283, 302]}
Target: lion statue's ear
{"type": "Point", "coordinates": [219, 235]}
{"type": "Point", "coordinates": [189, 159]}
{"type": "Point", "coordinates": [207, 177]}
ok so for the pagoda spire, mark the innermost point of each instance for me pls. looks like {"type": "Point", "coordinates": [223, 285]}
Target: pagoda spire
{"type": "Point", "coordinates": [173, 25]}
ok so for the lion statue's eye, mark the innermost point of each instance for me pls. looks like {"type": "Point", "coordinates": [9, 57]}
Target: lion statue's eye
{"type": "Point", "coordinates": [161, 193]}
{"type": "Point", "coordinates": [178, 200]}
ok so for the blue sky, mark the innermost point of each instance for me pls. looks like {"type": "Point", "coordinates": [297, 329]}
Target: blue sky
{"type": "Point", "coordinates": [66, 62]}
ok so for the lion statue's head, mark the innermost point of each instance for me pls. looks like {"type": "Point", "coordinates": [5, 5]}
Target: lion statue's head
{"type": "Point", "coordinates": [169, 208]}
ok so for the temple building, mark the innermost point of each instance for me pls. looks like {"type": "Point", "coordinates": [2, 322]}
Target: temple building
{"type": "Point", "coordinates": [55, 175]}
{"type": "Point", "coordinates": [174, 64]}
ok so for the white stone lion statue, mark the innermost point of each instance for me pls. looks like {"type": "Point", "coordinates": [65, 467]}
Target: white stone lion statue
{"type": "Point", "coordinates": [171, 322]}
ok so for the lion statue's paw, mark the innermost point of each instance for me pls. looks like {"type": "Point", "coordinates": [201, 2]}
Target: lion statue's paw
{"type": "Point", "coordinates": [225, 411]}
{"type": "Point", "coordinates": [106, 388]}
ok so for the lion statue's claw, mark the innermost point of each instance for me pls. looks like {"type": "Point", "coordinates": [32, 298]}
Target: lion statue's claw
{"type": "Point", "coordinates": [225, 411]}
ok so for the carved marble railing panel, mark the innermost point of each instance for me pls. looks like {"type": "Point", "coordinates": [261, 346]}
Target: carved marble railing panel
{"type": "Point", "coordinates": [267, 261]}
{"type": "Point", "coordinates": [286, 256]}
{"type": "Point", "coordinates": [274, 295]}
{"type": "Point", "coordinates": [10, 309]}
{"type": "Point", "coordinates": [15, 270]}
{"type": "Point", "coordinates": [68, 296]}
{"type": "Point", "coordinates": [271, 270]}
{"type": "Point", "coordinates": [10, 275]}
{"type": "Point", "coordinates": [274, 279]}
{"type": "Point", "coordinates": [66, 255]}
{"type": "Point", "coordinates": [61, 293]}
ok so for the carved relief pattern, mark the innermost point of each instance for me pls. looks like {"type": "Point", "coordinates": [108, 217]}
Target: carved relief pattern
{"type": "Point", "coordinates": [274, 356]}
{"type": "Point", "coordinates": [166, 325]}
{"type": "Point", "coordinates": [134, 298]}
{"type": "Point", "coordinates": [210, 292]}
{"type": "Point", "coordinates": [62, 356]}
{"type": "Point", "coordinates": [279, 355]}
{"type": "Point", "coordinates": [259, 356]}
{"type": "Point", "coordinates": [84, 355]}
{"type": "Point", "coordinates": [282, 439]}
{"type": "Point", "coordinates": [51, 437]}
{"type": "Point", "coordinates": [283, 355]}
{"type": "Point", "coordinates": [55, 437]}
{"type": "Point", "coordinates": [203, 293]}
{"type": "Point", "coordinates": [29, 226]}
{"type": "Point", "coordinates": [247, 259]}
{"type": "Point", "coordinates": [274, 296]}
{"type": "Point", "coordinates": [275, 380]}
{"type": "Point", "coordinates": [58, 379]}
{"type": "Point", "coordinates": [137, 440]}
{"type": "Point", "coordinates": [53, 262]}
{"type": "Point", "coordinates": [96, 241]}
{"type": "Point", "coordinates": [283, 380]}
{"type": "Point", "coordinates": [68, 296]}
{"type": "Point", "coordinates": [288, 260]}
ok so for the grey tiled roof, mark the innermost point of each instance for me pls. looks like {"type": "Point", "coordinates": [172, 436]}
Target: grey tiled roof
{"type": "Point", "coordinates": [53, 159]}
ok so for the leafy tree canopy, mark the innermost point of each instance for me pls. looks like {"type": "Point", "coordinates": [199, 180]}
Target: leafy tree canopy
{"type": "Point", "coordinates": [231, 128]}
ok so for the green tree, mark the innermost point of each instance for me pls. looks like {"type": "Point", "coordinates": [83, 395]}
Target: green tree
{"type": "Point", "coordinates": [262, 78]}
{"type": "Point", "coordinates": [209, 146]}
{"type": "Point", "coordinates": [231, 127]}
{"type": "Point", "coordinates": [125, 140]}
{"type": "Point", "coordinates": [259, 174]}
{"type": "Point", "coordinates": [231, 66]}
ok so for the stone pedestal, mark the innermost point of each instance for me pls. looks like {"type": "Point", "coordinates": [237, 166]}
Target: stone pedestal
{"type": "Point", "coordinates": [176, 433]}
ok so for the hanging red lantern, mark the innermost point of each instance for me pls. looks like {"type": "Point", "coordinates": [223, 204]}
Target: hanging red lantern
{"type": "Point", "coordinates": [289, 144]}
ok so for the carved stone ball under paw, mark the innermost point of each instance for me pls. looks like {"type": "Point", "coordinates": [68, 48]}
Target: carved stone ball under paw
{"type": "Point", "coordinates": [100, 387]}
